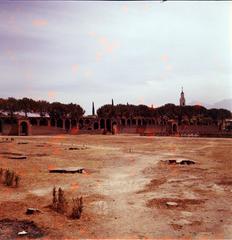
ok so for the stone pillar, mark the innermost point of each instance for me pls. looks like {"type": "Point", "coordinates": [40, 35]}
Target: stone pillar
{"type": "Point", "coordinates": [49, 122]}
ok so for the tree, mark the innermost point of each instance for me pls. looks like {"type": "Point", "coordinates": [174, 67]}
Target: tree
{"type": "Point", "coordinates": [26, 105]}
{"type": "Point", "coordinates": [11, 106]}
{"type": "Point", "coordinates": [42, 107]}
{"type": "Point", "coordinates": [74, 110]}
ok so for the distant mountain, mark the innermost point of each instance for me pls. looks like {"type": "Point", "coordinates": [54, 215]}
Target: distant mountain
{"type": "Point", "coordinates": [225, 103]}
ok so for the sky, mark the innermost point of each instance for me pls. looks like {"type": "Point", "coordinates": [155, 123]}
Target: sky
{"type": "Point", "coordinates": [135, 52]}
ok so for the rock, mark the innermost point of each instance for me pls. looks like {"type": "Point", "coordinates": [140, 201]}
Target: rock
{"type": "Point", "coordinates": [74, 148]}
{"type": "Point", "coordinates": [22, 233]}
{"type": "Point", "coordinates": [77, 148]}
{"type": "Point", "coordinates": [18, 157]}
{"type": "Point", "coordinates": [171, 204]}
{"type": "Point", "coordinates": [183, 222]}
{"type": "Point", "coordinates": [32, 211]}
{"type": "Point", "coordinates": [180, 161]}
{"type": "Point", "coordinates": [67, 170]}
{"type": "Point", "coordinates": [172, 161]}
{"type": "Point", "coordinates": [188, 162]}
{"type": "Point", "coordinates": [186, 214]}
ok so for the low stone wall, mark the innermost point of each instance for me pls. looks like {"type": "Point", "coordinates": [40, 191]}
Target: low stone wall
{"type": "Point", "coordinates": [99, 131]}
{"type": "Point", "coordinates": [131, 130]}
{"type": "Point", "coordinates": [10, 129]}
{"type": "Point", "coordinates": [45, 130]}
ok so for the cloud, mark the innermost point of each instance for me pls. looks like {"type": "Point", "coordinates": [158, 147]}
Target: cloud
{"type": "Point", "coordinates": [75, 68]}
{"type": "Point", "coordinates": [99, 56]}
{"type": "Point", "coordinates": [125, 8]}
{"type": "Point", "coordinates": [92, 34]}
{"type": "Point", "coordinates": [103, 41]}
{"type": "Point", "coordinates": [11, 55]}
{"type": "Point", "coordinates": [88, 73]}
{"type": "Point", "coordinates": [165, 58]}
{"type": "Point", "coordinates": [52, 95]}
{"type": "Point", "coordinates": [39, 22]}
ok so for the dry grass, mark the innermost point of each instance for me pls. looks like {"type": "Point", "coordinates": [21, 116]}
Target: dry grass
{"type": "Point", "coordinates": [61, 205]}
{"type": "Point", "coordinates": [77, 208]}
{"type": "Point", "coordinates": [59, 202]}
{"type": "Point", "coordinates": [9, 178]}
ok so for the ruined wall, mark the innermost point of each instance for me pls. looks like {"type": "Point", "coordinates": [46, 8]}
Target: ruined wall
{"type": "Point", "coordinates": [198, 129]}
{"type": "Point", "coordinates": [10, 129]}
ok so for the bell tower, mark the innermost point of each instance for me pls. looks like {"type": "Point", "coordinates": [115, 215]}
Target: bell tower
{"type": "Point", "coordinates": [93, 109]}
{"type": "Point", "coordinates": [182, 98]}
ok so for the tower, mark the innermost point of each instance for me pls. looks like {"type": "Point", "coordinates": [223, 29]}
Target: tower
{"type": "Point", "coordinates": [93, 109]}
{"type": "Point", "coordinates": [182, 98]}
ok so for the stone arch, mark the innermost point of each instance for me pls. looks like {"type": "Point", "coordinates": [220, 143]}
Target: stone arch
{"type": "Point", "coordinates": [87, 121]}
{"type": "Point", "coordinates": [33, 121]}
{"type": "Point", "coordinates": [174, 128]}
{"type": "Point", "coordinates": [73, 123]}
{"type": "Point", "coordinates": [81, 123]}
{"type": "Point", "coordinates": [123, 122]}
{"type": "Point", "coordinates": [108, 125]}
{"type": "Point", "coordinates": [102, 123]}
{"type": "Point", "coordinates": [53, 122]}
{"type": "Point", "coordinates": [67, 124]}
{"type": "Point", "coordinates": [128, 122]}
{"type": "Point", "coordinates": [23, 129]}
{"type": "Point", "coordinates": [59, 123]}
{"type": "Point", "coordinates": [95, 126]}
{"type": "Point", "coordinates": [114, 128]}
{"type": "Point", "coordinates": [139, 122]}
{"type": "Point", "coordinates": [1, 126]}
{"type": "Point", "coordinates": [133, 121]}
{"type": "Point", "coordinates": [43, 122]}
{"type": "Point", "coordinates": [144, 122]}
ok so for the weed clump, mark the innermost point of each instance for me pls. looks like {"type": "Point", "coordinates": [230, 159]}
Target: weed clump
{"type": "Point", "coordinates": [9, 178]}
{"type": "Point", "coordinates": [77, 208]}
{"type": "Point", "coordinates": [60, 204]}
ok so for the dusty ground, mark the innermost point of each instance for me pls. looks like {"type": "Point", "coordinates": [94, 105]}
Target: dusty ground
{"type": "Point", "coordinates": [126, 186]}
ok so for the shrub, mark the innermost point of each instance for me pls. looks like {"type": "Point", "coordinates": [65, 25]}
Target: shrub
{"type": "Point", "coordinates": [60, 204]}
{"type": "Point", "coordinates": [77, 208]}
{"type": "Point", "coordinates": [1, 173]}
{"type": "Point", "coordinates": [17, 179]}
{"type": "Point", "coordinates": [54, 199]}
{"type": "Point", "coordinates": [9, 177]}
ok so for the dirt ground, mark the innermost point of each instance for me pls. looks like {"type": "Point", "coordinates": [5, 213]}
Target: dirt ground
{"type": "Point", "coordinates": [128, 189]}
